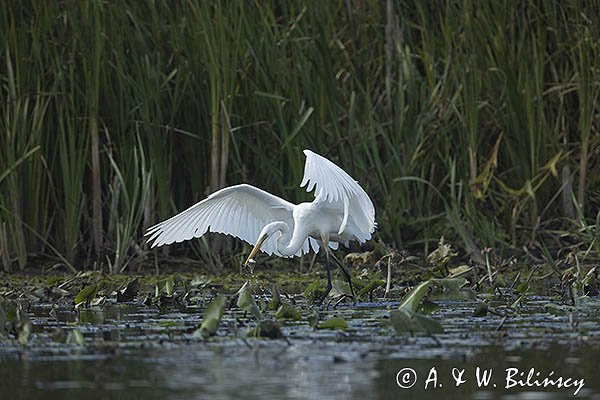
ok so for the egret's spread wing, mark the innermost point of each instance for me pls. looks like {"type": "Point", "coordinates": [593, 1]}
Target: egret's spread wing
{"type": "Point", "coordinates": [241, 211]}
{"type": "Point", "coordinates": [332, 184]}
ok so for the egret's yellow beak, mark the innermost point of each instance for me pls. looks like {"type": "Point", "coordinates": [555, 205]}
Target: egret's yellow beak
{"type": "Point", "coordinates": [255, 250]}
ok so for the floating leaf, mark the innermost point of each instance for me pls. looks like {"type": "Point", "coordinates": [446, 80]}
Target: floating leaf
{"type": "Point", "coordinates": [200, 280]}
{"type": "Point", "coordinates": [169, 286]}
{"type": "Point", "coordinates": [522, 288]}
{"type": "Point", "coordinates": [558, 310]}
{"type": "Point", "coordinates": [481, 310]}
{"type": "Point", "coordinates": [427, 307]}
{"type": "Point", "coordinates": [90, 316]}
{"type": "Point", "coordinates": [450, 283]}
{"type": "Point", "coordinates": [75, 337]}
{"type": "Point", "coordinates": [267, 328]}
{"type": "Point", "coordinates": [129, 292]}
{"type": "Point", "coordinates": [338, 288]}
{"type": "Point", "coordinates": [314, 291]}
{"type": "Point", "coordinates": [287, 311]}
{"type": "Point", "coordinates": [59, 335]}
{"type": "Point", "coordinates": [246, 302]}
{"type": "Point", "coordinates": [405, 320]}
{"type": "Point", "coordinates": [369, 287]}
{"type": "Point", "coordinates": [212, 317]}
{"type": "Point", "coordinates": [165, 286]}
{"type": "Point", "coordinates": [313, 320]}
{"type": "Point", "coordinates": [169, 324]}
{"type": "Point", "coordinates": [275, 298]}
{"type": "Point", "coordinates": [586, 302]}
{"type": "Point", "coordinates": [413, 298]}
{"type": "Point", "coordinates": [334, 323]}
{"type": "Point", "coordinates": [459, 271]}
{"type": "Point", "coordinates": [86, 295]}
{"type": "Point", "coordinates": [23, 327]}
{"type": "Point", "coordinates": [97, 301]}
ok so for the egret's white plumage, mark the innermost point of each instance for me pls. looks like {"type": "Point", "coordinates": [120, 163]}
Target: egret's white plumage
{"type": "Point", "coordinates": [341, 211]}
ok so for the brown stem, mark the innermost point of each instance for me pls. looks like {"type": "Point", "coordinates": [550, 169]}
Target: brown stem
{"type": "Point", "coordinates": [96, 187]}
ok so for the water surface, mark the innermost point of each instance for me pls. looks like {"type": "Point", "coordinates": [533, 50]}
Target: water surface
{"type": "Point", "coordinates": [135, 351]}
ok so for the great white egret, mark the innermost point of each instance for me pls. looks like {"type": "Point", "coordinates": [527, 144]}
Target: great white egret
{"type": "Point", "coordinates": [341, 211]}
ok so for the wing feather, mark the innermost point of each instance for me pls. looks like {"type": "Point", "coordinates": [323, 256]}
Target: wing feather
{"type": "Point", "coordinates": [241, 211]}
{"type": "Point", "coordinates": [332, 184]}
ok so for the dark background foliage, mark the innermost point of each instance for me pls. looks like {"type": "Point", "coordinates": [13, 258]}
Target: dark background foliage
{"type": "Point", "coordinates": [473, 120]}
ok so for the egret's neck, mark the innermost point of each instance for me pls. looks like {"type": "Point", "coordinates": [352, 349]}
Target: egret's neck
{"type": "Point", "coordinates": [287, 244]}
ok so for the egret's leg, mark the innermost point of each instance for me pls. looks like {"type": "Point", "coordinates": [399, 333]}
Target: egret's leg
{"type": "Point", "coordinates": [328, 268]}
{"type": "Point", "coordinates": [345, 271]}
{"type": "Point", "coordinates": [329, 284]}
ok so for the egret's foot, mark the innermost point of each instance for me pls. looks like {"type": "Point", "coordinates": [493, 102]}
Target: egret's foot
{"type": "Point", "coordinates": [353, 299]}
{"type": "Point", "coordinates": [322, 303]}
{"type": "Point", "coordinates": [327, 289]}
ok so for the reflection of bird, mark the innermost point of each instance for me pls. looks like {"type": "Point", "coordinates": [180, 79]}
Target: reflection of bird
{"type": "Point", "coordinates": [340, 212]}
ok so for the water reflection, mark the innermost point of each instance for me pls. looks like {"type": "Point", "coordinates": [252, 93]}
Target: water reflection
{"type": "Point", "coordinates": [137, 352]}
{"type": "Point", "coordinates": [301, 371]}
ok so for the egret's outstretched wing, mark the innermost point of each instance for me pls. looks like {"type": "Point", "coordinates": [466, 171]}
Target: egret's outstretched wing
{"type": "Point", "coordinates": [241, 211]}
{"type": "Point", "coordinates": [332, 184]}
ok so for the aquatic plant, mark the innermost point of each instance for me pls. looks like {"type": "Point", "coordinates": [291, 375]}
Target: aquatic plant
{"type": "Point", "coordinates": [476, 121]}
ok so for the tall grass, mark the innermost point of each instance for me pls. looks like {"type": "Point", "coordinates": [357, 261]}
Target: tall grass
{"type": "Point", "coordinates": [470, 120]}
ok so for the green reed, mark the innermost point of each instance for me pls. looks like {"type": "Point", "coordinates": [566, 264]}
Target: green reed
{"type": "Point", "coordinates": [476, 121]}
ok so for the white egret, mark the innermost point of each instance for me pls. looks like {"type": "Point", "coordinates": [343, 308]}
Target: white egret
{"type": "Point", "coordinates": [341, 211]}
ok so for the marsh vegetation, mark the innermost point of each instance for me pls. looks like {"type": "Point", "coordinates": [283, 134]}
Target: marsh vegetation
{"type": "Point", "coordinates": [473, 126]}
{"type": "Point", "coordinates": [476, 122]}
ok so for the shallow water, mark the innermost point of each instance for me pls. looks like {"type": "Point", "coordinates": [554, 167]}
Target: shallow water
{"type": "Point", "coordinates": [135, 351]}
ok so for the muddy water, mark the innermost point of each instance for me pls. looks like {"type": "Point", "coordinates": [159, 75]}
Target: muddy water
{"type": "Point", "coordinates": [134, 351]}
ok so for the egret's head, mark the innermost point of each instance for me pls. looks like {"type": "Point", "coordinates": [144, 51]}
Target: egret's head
{"type": "Point", "coordinates": [266, 233]}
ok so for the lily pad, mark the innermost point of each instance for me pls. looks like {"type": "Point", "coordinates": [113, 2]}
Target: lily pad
{"type": "Point", "coordinates": [212, 317]}
{"type": "Point", "coordinates": [333, 323]}
{"type": "Point", "coordinates": [75, 337]}
{"type": "Point", "coordinates": [450, 283]}
{"type": "Point", "coordinates": [86, 295]}
{"type": "Point", "coordinates": [165, 287]}
{"type": "Point", "coordinates": [288, 311]}
{"type": "Point", "coordinates": [370, 286]}
{"type": "Point", "coordinates": [314, 291]}
{"type": "Point", "coordinates": [413, 298]}
{"type": "Point", "coordinates": [558, 310]}
{"type": "Point", "coordinates": [459, 271]}
{"type": "Point", "coordinates": [129, 292]}
{"type": "Point", "coordinates": [267, 328]}
{"type": "Point", "coordinates": [246, 302]}
{"type": "Point", "coordinates": [481, 310]}
{"type": "Point", "coordinates": [23, 327]}
{"type": "Point", "coordinates": [427, 307]}
{"type": "Point", "coordinates": [405, 320]}
{"type": "Point", "coordinates": [275, 298]}
{"type": "Point", "coordinates": [313, 320]}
